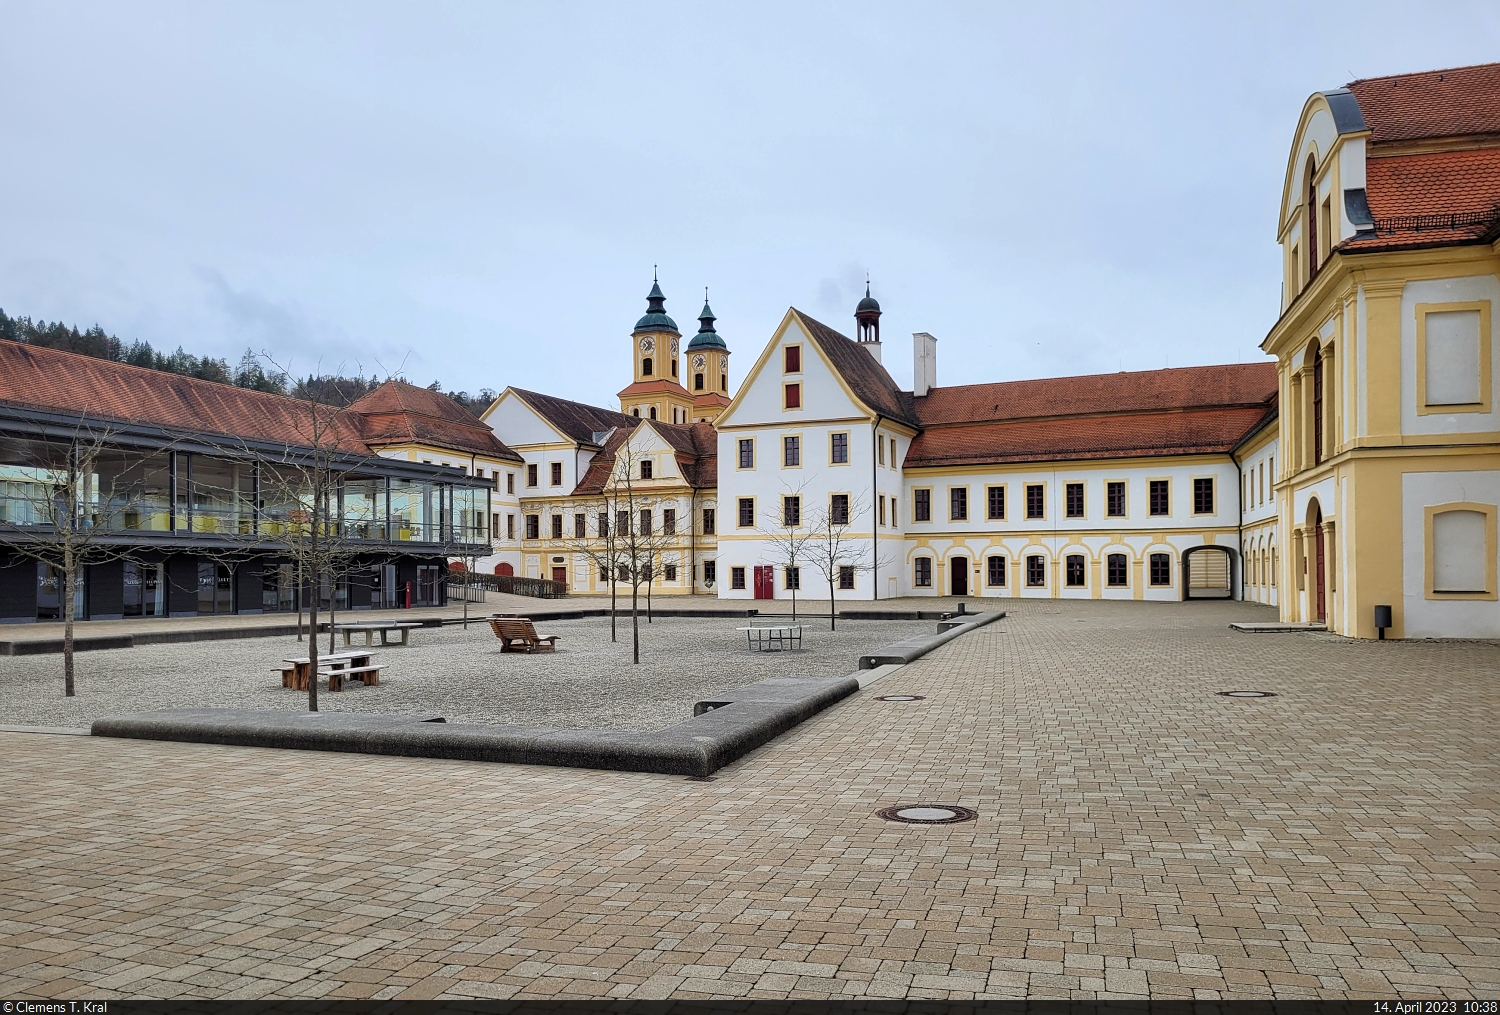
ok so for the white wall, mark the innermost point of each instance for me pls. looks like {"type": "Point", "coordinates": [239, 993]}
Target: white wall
{"type": "Point", "coordinates": [1449, 290]}
{"type": "Point", "coordinates": [1434, 618]}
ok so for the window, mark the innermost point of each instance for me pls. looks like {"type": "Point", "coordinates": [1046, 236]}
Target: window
{"type": "Point", "coordinates": [670, 572]}
{"type": "Point", "coordinates": [1203, 496]}
{"type": "Point", "coordinates": [646, 468]}
{"type": "Point", "coordinates": [1312, 221]}
{"type": "Point", "coordinates": [646, 366]}
{"type": "Point", "coordinates": [791, 512]}
{"type": "Point", "coordinates": [793, 396]}
{"type": "Point", "coordinates": [557, 528]}
{"type": "Point", "coordinates": [846, 577]}
{"type": "Point", "coordinates": [580, 526]}
{"type": "Point", "coordinates": [737, 578]}
{"type": "Point", "coordinates": [791, 451]}
{"type": "Point", "coordinates": [603, 525]}
{"type": "Point", "coordinates": [510, 482]}
{"type": "Point", "coordinates": [921, 506]}
{"type": "Point", "coordinates": [1035, 507]}
{"type": "Point", "coordinates": [792, 576]}
{"type": "Point", "coordinates": [747, 512]}
{"type": "Point", "coordinates": [652, 412]}
{"type": "Point", "coordinates": [995, 498]}
{"type": "Point", "coordinates": [1161, 499]}
{"type": "Point", "coordinates": [958, 503]}
{"type": "Point", "coordinates": [1115, 569]}
{"type": "Point", "coordinates": [1161, 569]}
{"type": "Point", "coordinates": [995, 568]}
{"type": "Point", "coordinates": [708, 521]}
{"type": "Point", "coordinates": [669, 521]}
{"type": "Point", "coordinates": [636, 412]}
{"type": "Point", "coordinates": [838, 509]}
{"type": "Point", "coordinates": [531, 475]}
{"type": "Point", "coordinates": [1074, 565]}
{"type": "Point", "coordinates": [1453, 357]}
{"type": "Point", "coordinates": [1036, 571]}
{"type": "Point", "coordinates": [622, 524]}
{"type": "Point", "coordinates": [710, 572]}
{"type": "Point", "coordinates": [510, 526]}
{"type": "Point", "coordinates": [893, 453]}
{"type": "Point", "coordinates": [882, 509]}
{"type": "Point", "coordinates": [792, 359]}
{"type": "Point", "coordinates": [723, 382]}
{"type": "Point", "coordinates": [1074, 494]}
{"type": "Point", "coordinates": [697, 382]}
{"type": "Point", "coordinates": [1317, 404]}
{"type": "Point", "coordinates": [923, 575]}
{"type": "Point", "coordinates": [557, 473]}
{"type": "Point", "coordinates": [747, 454]}
{"type": "Point", "coordinates": [533, 526]}
{"type": "Point", "coordinates": [880, 450]}
{"type": "Point", "coordinates": [1114, 499]}
{"type": "Point", "coordinates": [646, 521]}
{"type": "Point", "coordinates": [495, 525]}
{"type": "Point", "coordinates": [1460, 550]}
{"type": "Point", "coordinates": [674, 367]}
{"type": "Point", "coordinates": [838, 452]}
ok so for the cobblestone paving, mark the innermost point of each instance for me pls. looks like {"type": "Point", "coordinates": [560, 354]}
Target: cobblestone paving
{"type": "Point", "coordinates": [588, 683]}
{"type": "Point", "coordinates": [1138, 835]}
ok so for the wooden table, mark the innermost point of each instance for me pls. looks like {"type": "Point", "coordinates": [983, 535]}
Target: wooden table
{"type": "Point", "coordinates": [369, 627]}
{"type": "Point", "coordinates": [336, 664]}
{"type": "Point", "coordinates": [773, 637]}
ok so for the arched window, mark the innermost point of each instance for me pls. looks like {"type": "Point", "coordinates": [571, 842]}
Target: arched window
{"type": "Point", "coordinates": [653, 412]}
{"type": "Point", "coordinates": [1312, 220]}
{"type": "Point", "coordinates": [1317, 404]}
{"type": "Point", "coordinates": [698, 382]}
{"type": "Point", "coordinates": [646, 366]}
{"type": "Point", "coordinates": [723, 382]}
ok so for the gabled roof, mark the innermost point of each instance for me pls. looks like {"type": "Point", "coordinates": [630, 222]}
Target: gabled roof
{"type": "Point", "coordinates": [1244, 384]}
{"type": "Point", "coordinates": [575, 420]}
{"type": "Point", "coordinates": [865, 377]}
{"type": "Point", "coordinates": [70, 383]}
{"type": "Point", "coordinates": [400, 413]}
{"type": "Point", "coordinates": [695, 447]}
{"type": "Point", "coordinates": [1454, 102]}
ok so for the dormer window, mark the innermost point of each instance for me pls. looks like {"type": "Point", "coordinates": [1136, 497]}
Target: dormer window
{"type": "Point", "coordinates": [645, 468]}
{"type": "Point", "coordinates": [646, 366]}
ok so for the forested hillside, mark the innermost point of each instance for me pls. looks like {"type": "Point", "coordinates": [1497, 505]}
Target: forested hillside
{"type": "Point", "coordinates": [252, 371]}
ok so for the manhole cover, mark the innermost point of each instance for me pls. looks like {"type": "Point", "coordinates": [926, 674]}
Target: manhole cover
{"type": "Point", "coordinates": [901, 697]}
{"type": "Point", "coordinates": [1247, 694]}
{"type": "Point", "coordinates": [927, 814]}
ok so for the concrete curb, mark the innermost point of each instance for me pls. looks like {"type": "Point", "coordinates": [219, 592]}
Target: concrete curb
{"type": "Point", "coordinates": [97, 642]}
{"type": "Point", "coordinates": [912, 649]}
{"type": "Point", "coordinates": [725, 729]}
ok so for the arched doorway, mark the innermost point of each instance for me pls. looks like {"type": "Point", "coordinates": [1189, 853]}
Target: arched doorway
{"type": "Point", "coordinates": [1320, 554]}
{"type": "Point", "coordinates": [1208, 573]}
{"type": "Point", "coordinates": [505, 569]}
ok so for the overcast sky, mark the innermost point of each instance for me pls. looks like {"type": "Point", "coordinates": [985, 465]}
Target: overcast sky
{"type": "Point", "coordinates": [479, 192]}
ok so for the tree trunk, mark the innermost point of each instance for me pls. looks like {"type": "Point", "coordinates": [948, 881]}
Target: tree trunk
{"type": "Point", "coordinates": [312, 616]}
{"type": "Point", "coordinates": [650, 581]}
{"type": "Point", "coordinates": [832, 615]}
{"type": "Point", "coordinates": [333, 609]}
{"type": "Point", "coordinates": [635, 617]}
{"type": "Point", "coordinates": [67, 611]}
{"type": "Point", "coordinates": [612, 607]}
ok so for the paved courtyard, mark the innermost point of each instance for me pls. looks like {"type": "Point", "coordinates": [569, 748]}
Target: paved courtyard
{"type": "Point", "coordinates": [588, 683]}
{"type": "Point", "coordinates": [1138, 834]}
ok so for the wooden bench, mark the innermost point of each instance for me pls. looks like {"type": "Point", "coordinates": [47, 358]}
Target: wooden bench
{"type": "Point", "coordinates": [335, 666]}
{"type": "Point", "coordinates": [367, 675]}
{"type": "Point", "coordinates": [517, 634]}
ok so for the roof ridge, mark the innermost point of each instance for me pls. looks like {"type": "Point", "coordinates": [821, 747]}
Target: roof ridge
{"type": "Point", "coordinates": [1422, 73]}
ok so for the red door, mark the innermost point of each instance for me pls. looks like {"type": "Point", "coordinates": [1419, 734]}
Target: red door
{"type": "Point", "coordinates": [1318, 539]}
{"type": "Point", "coordinates": [765, 581]}
{"type": "Point", "coordinates": [560, 574]}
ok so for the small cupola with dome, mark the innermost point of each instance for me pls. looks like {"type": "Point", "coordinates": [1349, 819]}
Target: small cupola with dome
{"type": "Point", "coordinates": [867, 323]}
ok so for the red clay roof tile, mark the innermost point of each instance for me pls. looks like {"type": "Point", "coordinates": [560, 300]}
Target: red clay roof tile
{"type": "Point", "coordinates": [1454, 102]}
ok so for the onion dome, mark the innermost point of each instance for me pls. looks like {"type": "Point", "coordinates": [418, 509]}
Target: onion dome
{"type": "Point", "coordinates": [868, 303]}
{"type": "Point", "coordinates": [656, 318]}
{"type": "Point", "coordinates": [707, 337]}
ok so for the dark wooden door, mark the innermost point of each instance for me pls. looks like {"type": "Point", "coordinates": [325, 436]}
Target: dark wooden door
{"type": "Point", "coordinates": [959, 576]}
{"type": "Point", "coordinates": [1320, 555]}
{"type": "Point", "coordinates": [560, 574]}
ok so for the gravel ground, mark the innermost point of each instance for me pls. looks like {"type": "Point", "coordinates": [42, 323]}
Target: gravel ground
{"type": "Point", "coordinates": [461, 675]}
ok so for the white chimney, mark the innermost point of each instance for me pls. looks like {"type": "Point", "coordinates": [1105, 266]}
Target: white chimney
{"type": "Point", "coordinates": [923, 363]}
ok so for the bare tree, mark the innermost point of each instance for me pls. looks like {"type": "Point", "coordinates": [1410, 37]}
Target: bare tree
{"type": "Point", "coordinates": [832, 553]}
{"type": "Point", "coordinates": [788, 539]}
{"type": "Point", "coordinates": [601, 550]}
{"type": "Point", "coordinates": [70, 503]}
{"type": "Point", "coordinates": [638, 539]}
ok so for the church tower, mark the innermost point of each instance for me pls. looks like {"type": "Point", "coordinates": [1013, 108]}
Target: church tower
{"type": "Point", "coordinates": [708, 368]}
{"type": "Point", "coordinates": [867, 321]}
{"type": "Point", "coordinates": [656, 392]}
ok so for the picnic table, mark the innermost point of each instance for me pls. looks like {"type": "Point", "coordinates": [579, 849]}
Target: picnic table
{"type": "Point", "coordinates": [336, 666]}
{"type": "Point", "coordinates": [369, 627]}
{"type": "Point", "coordinates": [773, 637]}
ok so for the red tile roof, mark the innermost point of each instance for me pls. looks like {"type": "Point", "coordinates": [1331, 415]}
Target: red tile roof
{"type": "Point", "coordinates": [1454, 102]}
{"type": "Point", "coordinates": [399, 413]}
{"type": "Point", "coordinates": [1092, 394]}
{"type": "Point", "coordinates": [1129, 435]}
{"type": "Point", "coordinates": [696, 448]}
{"type": "Point", "coordinates": [51, 380]}
{"type": "Point", "coordinates": [1430, 199]}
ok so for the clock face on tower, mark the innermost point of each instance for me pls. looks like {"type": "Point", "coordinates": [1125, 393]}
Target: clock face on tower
{"type": "Point", "coordinates": [699, 361]}
{"type": "Point", "coordinates": [648, 344]}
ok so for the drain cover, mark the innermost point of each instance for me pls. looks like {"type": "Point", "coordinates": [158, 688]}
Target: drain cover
{"type": "Point", "coordinates": [927, 814]}
{"type": "Point", "coordinates": [901, 697]}
{"type": "Point", "coordinates": [1247, 694]}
